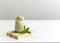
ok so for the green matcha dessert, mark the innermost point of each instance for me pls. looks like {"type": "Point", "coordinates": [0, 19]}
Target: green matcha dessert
{"type": "Point", "coordinates": [19, 25]}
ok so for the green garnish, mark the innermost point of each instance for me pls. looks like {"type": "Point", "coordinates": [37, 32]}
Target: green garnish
{"type": "Point", "coordinates": [26, 30]}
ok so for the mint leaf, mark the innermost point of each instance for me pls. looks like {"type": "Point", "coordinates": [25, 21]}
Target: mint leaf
{"type": "Point", "coordinates": [24, 27]}
{"type": "Point", "coordinates": [28, 32]}
{"type": "Point", "coordinates": [22, 32]}
{"type": "Point", "coordinates": [27, 29]}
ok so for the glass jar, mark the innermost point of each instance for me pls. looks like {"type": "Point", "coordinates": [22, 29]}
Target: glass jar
{"type": "Point", "coordinates": [19, 25]}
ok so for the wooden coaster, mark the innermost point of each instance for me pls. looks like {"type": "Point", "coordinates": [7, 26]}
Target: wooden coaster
{"type": "Point", "coordinates": [17, 36]}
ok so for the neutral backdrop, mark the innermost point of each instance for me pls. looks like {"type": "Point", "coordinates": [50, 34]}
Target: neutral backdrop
{"type": "Point", "coordinates": [31, 9]}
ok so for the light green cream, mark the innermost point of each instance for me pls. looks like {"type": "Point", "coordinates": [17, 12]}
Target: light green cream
{"type": "Point", "coordinates": [19, 24]}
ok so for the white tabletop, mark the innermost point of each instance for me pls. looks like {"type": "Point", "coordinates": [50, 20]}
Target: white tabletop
{"type": "Point", "coordinates": [44, 30]}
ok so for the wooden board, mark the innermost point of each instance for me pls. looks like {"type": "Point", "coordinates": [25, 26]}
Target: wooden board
{"type": "Point", "coordinates": [17, 36]}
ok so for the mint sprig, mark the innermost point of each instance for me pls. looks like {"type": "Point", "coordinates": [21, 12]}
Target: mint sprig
{"type": "Point", "coordinates": [26, 30]}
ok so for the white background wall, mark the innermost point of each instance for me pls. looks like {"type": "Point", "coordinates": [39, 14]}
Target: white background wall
{"type": "Point", "coordinates": [31, 9]}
